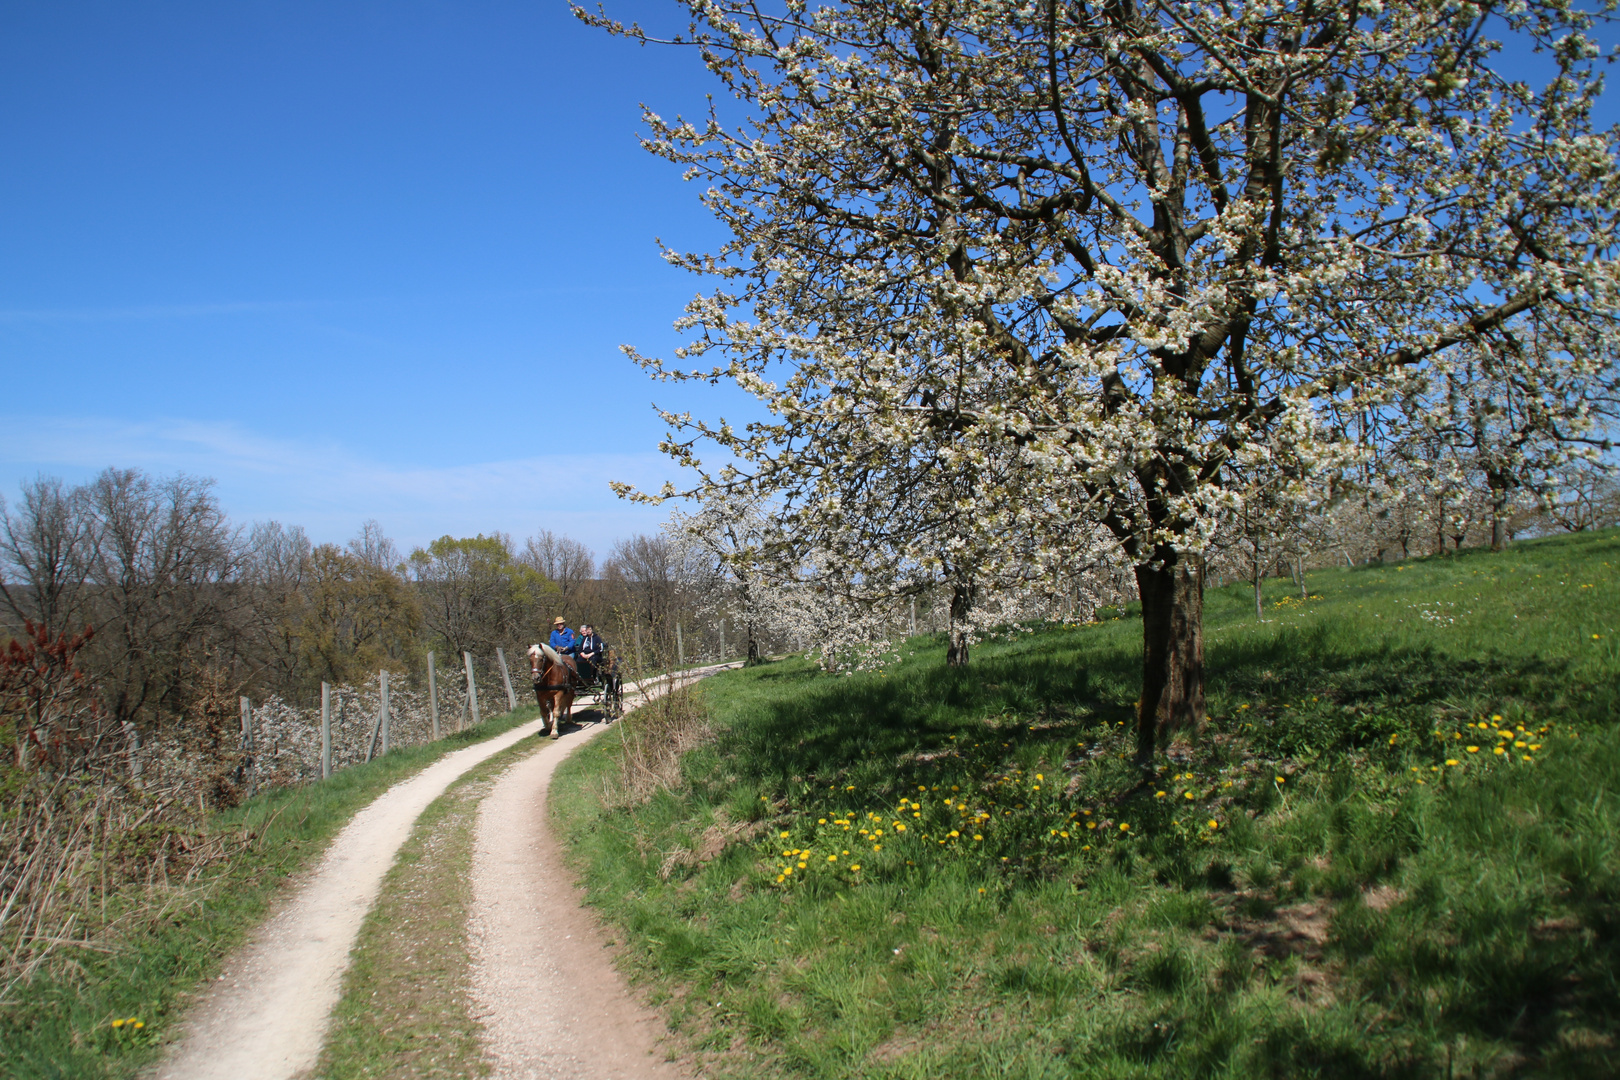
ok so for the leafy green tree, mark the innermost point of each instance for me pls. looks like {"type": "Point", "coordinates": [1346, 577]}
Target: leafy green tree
{"type": "Point", "coordinates": [475, 595]}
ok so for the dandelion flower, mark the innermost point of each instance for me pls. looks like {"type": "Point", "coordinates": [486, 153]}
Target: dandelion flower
{"type": "Point", "coordinates": [832, 858]}
{"type": "Point", "coordinates": [877, 847]}
{"type": "Point", "coordinates": [1499, 750]}
{"type": "Point", "coordinates": [118, 1023]}
{"type": "Point", "coordinates": [1158, 794]}
{"type": "Point", "coordinates": [1062, 834]}
{"type": "Point", "coordinates": [801, 866]}
{"type": "Point", "coordinates": [1124, 826]}
{"type": "Point", "coordinates": [899, 826]}
{"type": "Point", "coordinates": [785, 836]}
{"type": "Point", "coordinates": [1187, 795]}
{"type": "Point", "coordinates": [977, 836]}
{"type": "Point", "coordinates": [854, 866]}
{"type": "Point", "coordinates": [821, 821]}
{"type": "Point", "coordinates": [1282, 780]}
{"type": "Point", "coordinates": [1473, 749]}
{"type": "Point", "coordinates": [1214, 824]}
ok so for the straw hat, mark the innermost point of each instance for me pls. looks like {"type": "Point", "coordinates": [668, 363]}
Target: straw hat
{"type": "Point", "coordinates": [558, 621]}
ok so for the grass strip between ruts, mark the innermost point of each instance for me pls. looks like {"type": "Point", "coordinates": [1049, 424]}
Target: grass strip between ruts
{"type": "Point", "coordinates": [60, 1028]}
{"type": "Point", "coordinates": [1394, 852]}
{"type": "Point", "coordinates": [406, 1011]}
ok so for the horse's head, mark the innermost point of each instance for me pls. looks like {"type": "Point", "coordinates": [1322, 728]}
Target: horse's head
{"type": "Point", "coordinates": [534, 653]}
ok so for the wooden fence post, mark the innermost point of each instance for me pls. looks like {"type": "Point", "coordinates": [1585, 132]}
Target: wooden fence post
{"type": "Point", "coordinates": [472, 689]}
{"type": "Point", "coordinates": [680, 647]}
{"type": "Point", "coordinates": [382, 707]}
{"type": "Point", "coordinates": [506, 677]}
{"type": "Point", "coordinates": [326, 731]}
{"type": "Point", "coordinates": [722, 641]}
{"type": "Point", "coordinates": [913, 616]}
{"type": "Point", "coordinates": [641, 665]}
{"type": "Point", "coordinates": [247, 746]}
{"type": "Point", "coordinates": [433, 695]}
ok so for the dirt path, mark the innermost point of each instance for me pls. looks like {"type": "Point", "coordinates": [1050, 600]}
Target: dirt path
{"type": "Point", "coordinates": [267, 1015]}
{"type": "Point", "coordinates": [552, 1005]}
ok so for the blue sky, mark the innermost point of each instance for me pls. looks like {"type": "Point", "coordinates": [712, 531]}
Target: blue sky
{"type": "Point", "coordinates": [350, 259]}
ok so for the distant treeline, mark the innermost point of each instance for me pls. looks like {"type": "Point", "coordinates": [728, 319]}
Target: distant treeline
{"type": "Point", "coordinates": [178, 597]}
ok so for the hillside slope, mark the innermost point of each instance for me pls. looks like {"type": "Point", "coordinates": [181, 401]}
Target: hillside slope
{"type": "Point", "coordinates": [1392, 853]}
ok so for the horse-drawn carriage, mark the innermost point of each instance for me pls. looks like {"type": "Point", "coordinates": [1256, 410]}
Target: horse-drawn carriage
{"type": "Point", "coordinates": [604, 680]}
{"type": "Point", "coordinates": [560, 680]}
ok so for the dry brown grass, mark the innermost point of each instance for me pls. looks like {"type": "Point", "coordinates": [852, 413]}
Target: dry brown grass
{"type": "Point", "coordinates": [651, 741]}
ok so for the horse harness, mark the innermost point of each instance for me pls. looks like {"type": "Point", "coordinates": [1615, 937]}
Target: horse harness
{"type": "Point", "coordinates": [538, 685]}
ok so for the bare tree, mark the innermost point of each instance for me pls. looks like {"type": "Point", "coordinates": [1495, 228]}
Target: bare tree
{"type": "Point", "coordinates": [375, 548]}
{"type": "Point", "coordinates": [276, 570]}
{"type": "Point", "coordinates": [46, 548]}
{"type": "Point", "coordinates": [161, 586]}
{"type": "Point", "coordinates": [565, 562]}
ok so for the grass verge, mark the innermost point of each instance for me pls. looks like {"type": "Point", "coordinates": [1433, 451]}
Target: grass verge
{"type": "Point", "coordinates": [62, 1027]}
{"type": "Point", "coordinates": [927, 872]}
{"type": "Point", "coordinates": [406, 1010]}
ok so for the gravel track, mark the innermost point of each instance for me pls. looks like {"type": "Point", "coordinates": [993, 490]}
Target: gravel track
{"type": "Point", "coordinates": [267, 1014]}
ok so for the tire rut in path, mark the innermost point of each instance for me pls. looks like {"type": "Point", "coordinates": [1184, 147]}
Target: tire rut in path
{"type": "Point", "coordinates": [552, 1005]}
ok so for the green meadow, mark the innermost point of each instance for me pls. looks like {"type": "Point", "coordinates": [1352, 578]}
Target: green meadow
{"type": "Point", "coordinates": [1392, 852]}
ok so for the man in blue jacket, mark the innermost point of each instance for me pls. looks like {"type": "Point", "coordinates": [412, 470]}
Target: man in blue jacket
{"type": "Point", "coordinates": [562, 638]}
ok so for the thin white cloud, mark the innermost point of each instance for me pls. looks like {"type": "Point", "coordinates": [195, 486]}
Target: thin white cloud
{"type": "Point", "coordinates": [329, 489]}
{"type": "Point", "coordinates": [146, 311]}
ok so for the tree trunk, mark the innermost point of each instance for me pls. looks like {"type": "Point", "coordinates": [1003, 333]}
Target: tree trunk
{"type": "Point", "coordinates": [753, 646]}
{"type": "Point", "coordinates": [1499, 488]}
{"type": "Point", "coordinates": [1259, 596]}
{"type": "Point", "coordinates": [956, 654]}
{"type": "Point", "coordinates": [1172, 650]}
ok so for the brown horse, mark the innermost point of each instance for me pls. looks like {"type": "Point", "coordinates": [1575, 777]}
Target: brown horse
{"type": "Point", "coordinates": [554, 682]}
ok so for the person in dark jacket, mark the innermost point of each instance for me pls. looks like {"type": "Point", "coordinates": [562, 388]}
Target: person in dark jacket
{"type": "Point", "coordinates": [592, 650]}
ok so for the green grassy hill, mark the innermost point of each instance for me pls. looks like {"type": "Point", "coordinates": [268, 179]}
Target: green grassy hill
{"type": "Point", "coordinates": [1393, 852]}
